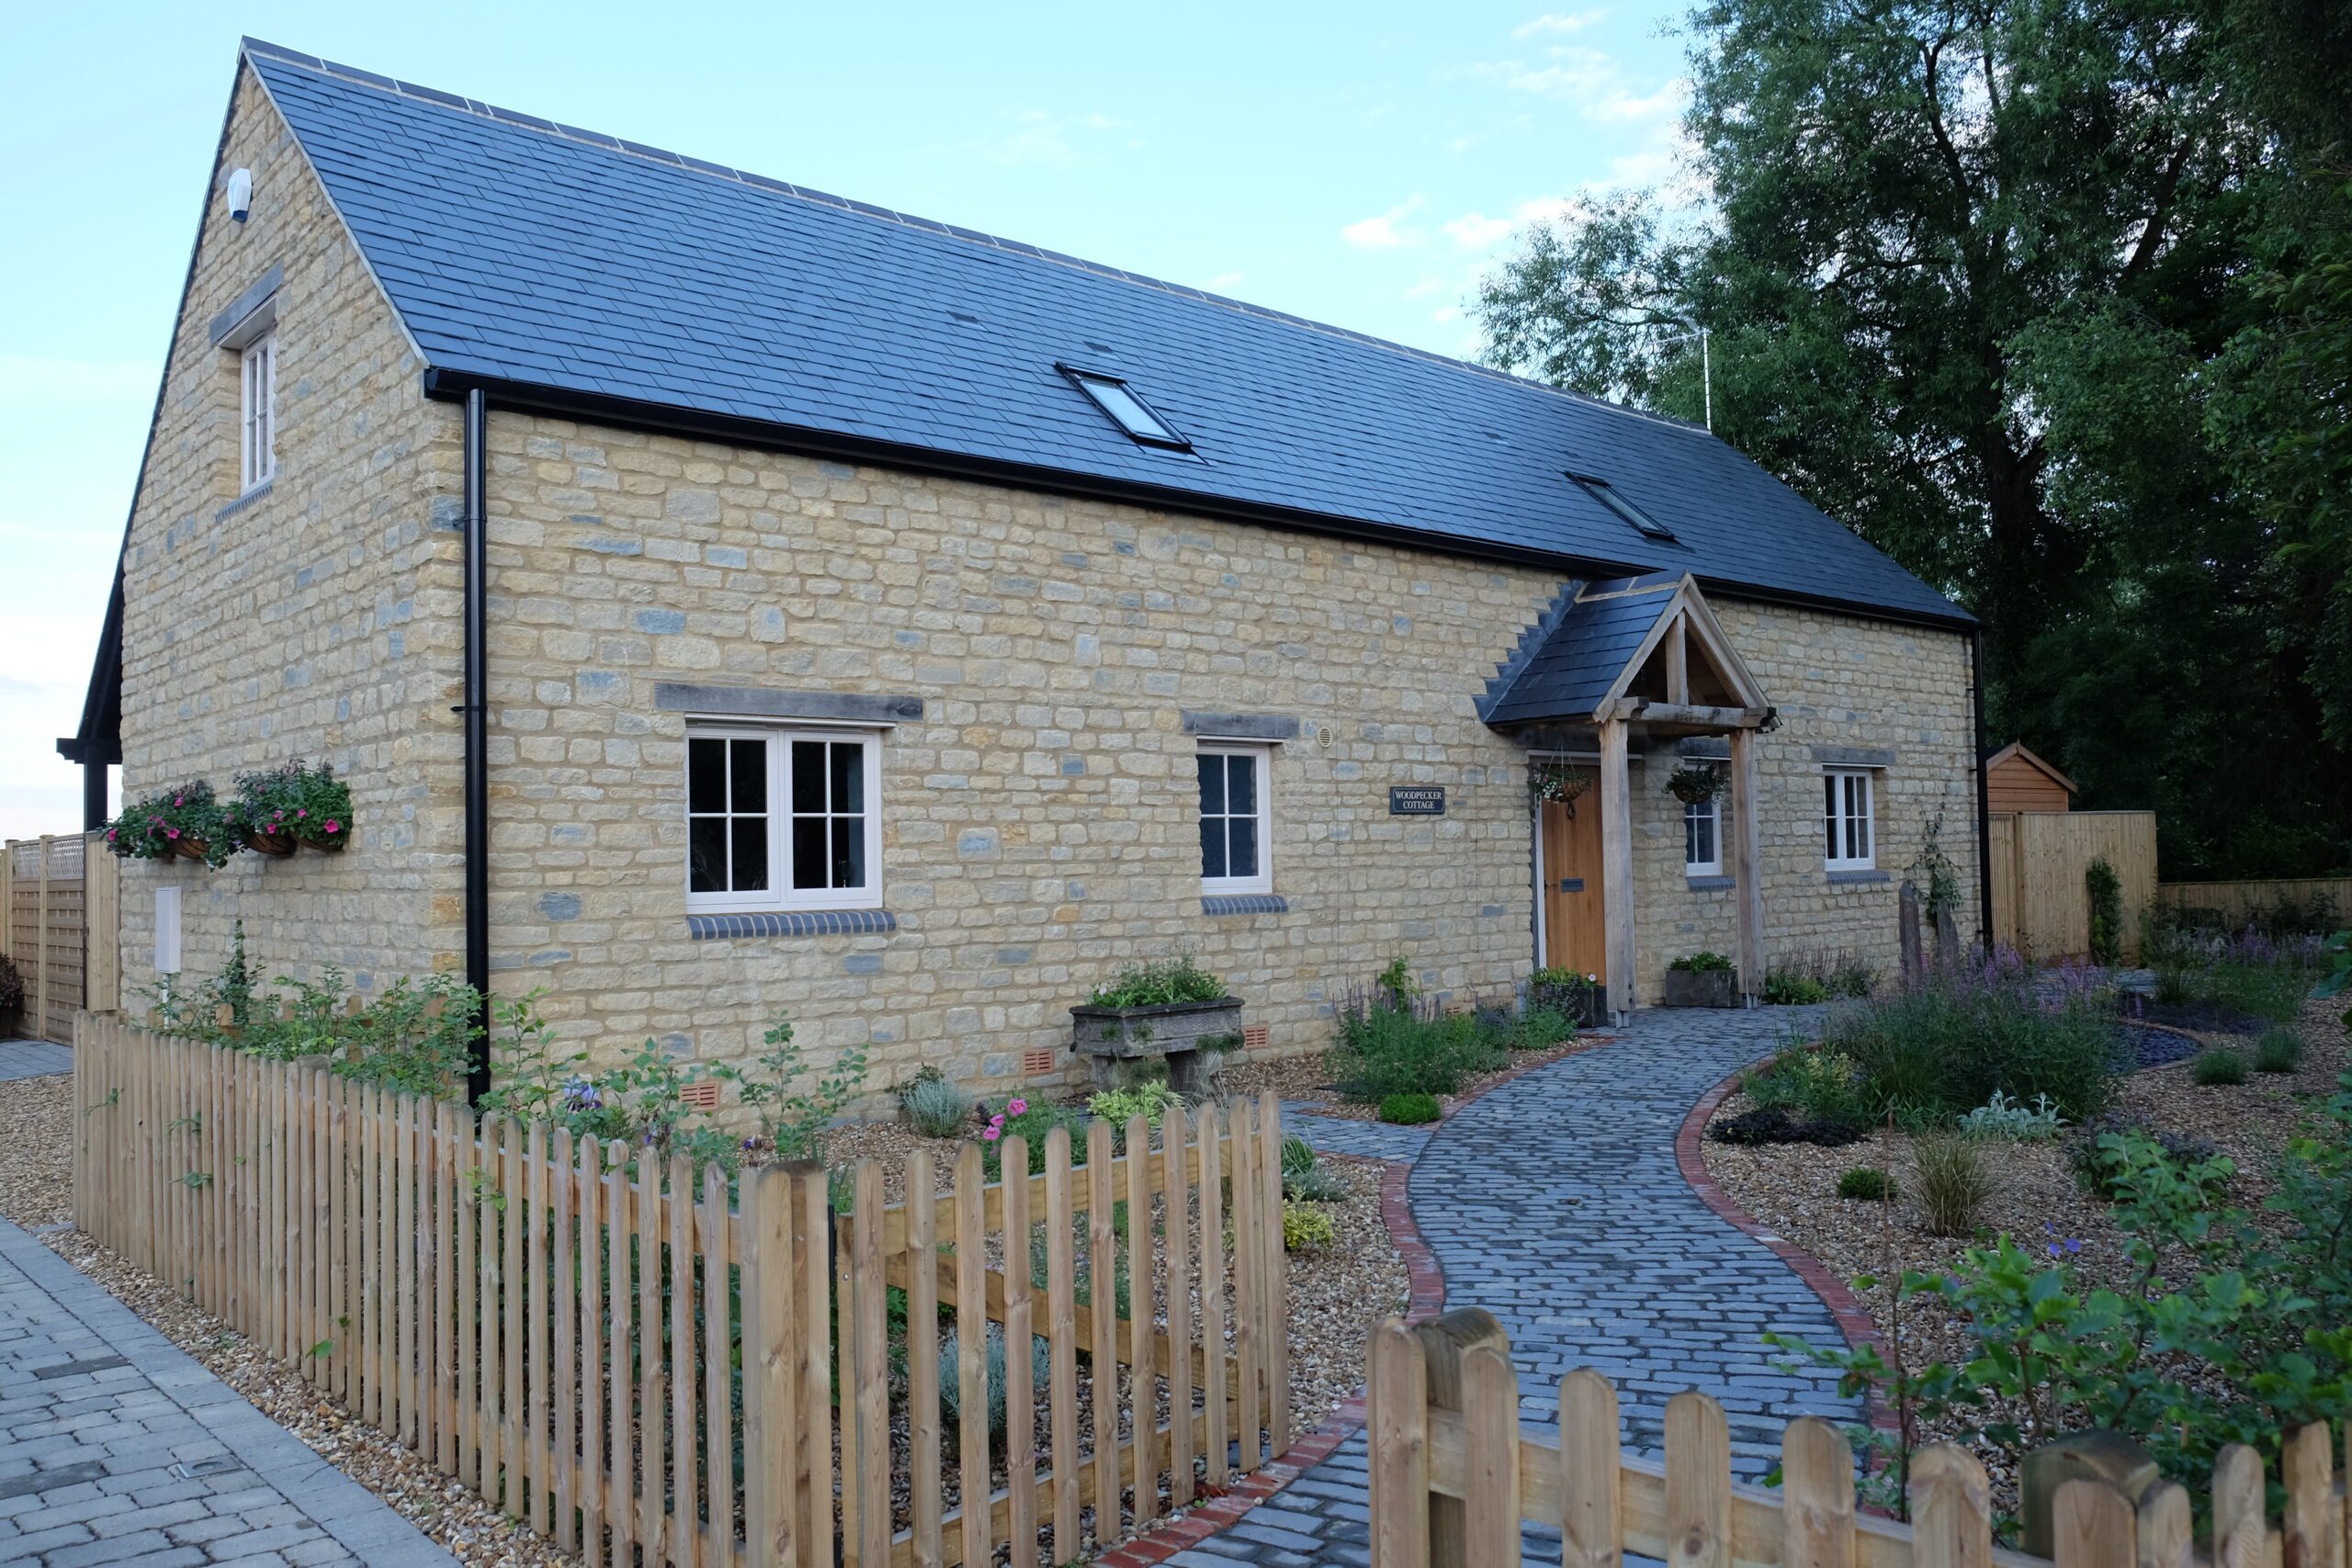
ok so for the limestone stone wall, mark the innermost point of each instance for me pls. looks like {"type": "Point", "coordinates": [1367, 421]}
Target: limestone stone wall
{"type": "Point", "coordinates": [284, 624]}
{"type": "Point", "coordinates": [1039, 820]}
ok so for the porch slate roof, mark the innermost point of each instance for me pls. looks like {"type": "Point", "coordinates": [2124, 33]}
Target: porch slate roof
{"type": "Point", "coordinates": [1572, 670]}
{"type": "Point", "coordinates": [538, 259]}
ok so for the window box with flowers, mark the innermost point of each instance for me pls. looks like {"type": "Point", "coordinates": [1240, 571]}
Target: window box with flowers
{"type": "Point", "coordinates": [295, 803]}
{"type": "Point", "coordinates": [185, 822]}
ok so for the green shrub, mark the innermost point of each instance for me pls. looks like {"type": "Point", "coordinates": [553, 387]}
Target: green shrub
{"type": "Point", "coordinates": [1866, 1184]}
{"type": "Point", "coordinates": [1385, 1050]}
{"type": "Point", "coordinates": [1396, 986]}
{"type": "Point", "coordinates": [1297, 1154]}
{"type": "Point", "coordinates": [934, 1107]}
{"type": "Point", "coordinates": [1945, 1048]}
{"type": "Point", "coordinates": [2001, 1117]}
{"type": "Point", "coordinates": [1823, 1085]}
{"type": "Point", "coordinates": [1702, 962]}
{"type": "Point", "coordinates": [1783, 988]}
{"type": "Point", "coordinates": [1574, 997]}
{"type": "Point", "coordinates": [1539, 1028]}
{"type": "Point", "coordinates": [2218, 1066]}
{"type": "Point", "coordinates": [1316, 1184]}
{"type": "Point", "coordinates": [2097, 1152]}
{"type": "Point", "coordinates": [1308, 1230]}
{"type": "Point", "coordinates": [1159, 984]}
{"type": "Point", "coordinates": [2105, 890]}
{"type": "Point", "coordinates": [1149, 1099]}
{"type": "Point", "coordinates": [2280, 1049]}
{"type": "Point", "coordinates": [951, 1387]}
{"type": "Point", "coordinates": [1409, 1110]}
{"type": "Point", "coordinates": [1951, 1182]}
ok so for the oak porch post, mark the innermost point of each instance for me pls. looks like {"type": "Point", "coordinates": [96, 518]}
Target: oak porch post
{"type": "Point", "coordinates": [1747, 835]}
{"type": "Point", "coordinates": [1617, 863]}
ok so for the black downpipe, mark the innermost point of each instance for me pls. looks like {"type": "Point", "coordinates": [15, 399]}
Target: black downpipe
{"type": "Point", "coordinates": [1984, 794]}
{"type": "Point", "coordinates": [476, 709]}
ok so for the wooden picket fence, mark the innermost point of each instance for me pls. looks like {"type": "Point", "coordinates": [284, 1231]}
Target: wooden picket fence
{"type": "Point", "coordinates": [1453, 1476]}
{"type": "Point", "coordinates": [631, 1360]}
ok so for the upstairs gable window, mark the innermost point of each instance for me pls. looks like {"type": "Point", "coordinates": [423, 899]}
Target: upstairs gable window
{"type": "Point", "coordinates": [257, 421]}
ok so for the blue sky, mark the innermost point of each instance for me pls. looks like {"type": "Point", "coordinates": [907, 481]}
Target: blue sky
{"type": "Point", "coordinates": [1361, 165]}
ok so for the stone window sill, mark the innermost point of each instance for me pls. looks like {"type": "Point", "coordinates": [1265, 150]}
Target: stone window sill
{"type": "Point", "coordinates": [248, 499]}
{"type": "Point", "coordinates": [791, 922]}
{"type": "Point", "coordinates": [1244, 904]}
{"type": "Point", "coordinates": [1710, 883]}
{"type": "Point", "coordinates": [1846, 879]}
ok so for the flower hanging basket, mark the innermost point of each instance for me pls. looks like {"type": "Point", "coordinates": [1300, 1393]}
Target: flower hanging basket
{"type": "Point", "coordinates": [1559, 782]}
{"type": "Point", "coordinates": [187, 846]}
{"type": "Point", "coordinates": [328, 839]}
{"type": "Point", "coordinates": [294, 804]}
{"type": "Point", "coordinates": [1695, 783]}
{"type": "Point", "coordinates": [277, 846]}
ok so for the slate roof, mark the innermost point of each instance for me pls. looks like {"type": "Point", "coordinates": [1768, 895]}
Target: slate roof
{"type": "Point", "coordinates": [569, 269]}
{"type": "Point", "coordinates": [1575, 666]}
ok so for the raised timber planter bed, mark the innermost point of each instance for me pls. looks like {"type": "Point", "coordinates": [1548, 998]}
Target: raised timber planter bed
{"type": "Point", "coordinates": [1701, 988]}
{"type": "Point", "coordinates": [1192, 1038]}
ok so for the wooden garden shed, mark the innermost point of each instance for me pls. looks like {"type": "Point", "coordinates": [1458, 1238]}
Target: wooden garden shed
{"type": "Point", "coordinates": [2016, 780]}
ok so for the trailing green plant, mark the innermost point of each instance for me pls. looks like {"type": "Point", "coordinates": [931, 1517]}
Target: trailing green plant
{"type": "Point", "coordinates": [1562, 782]}
{"type": "Point", "coordinates": [297, 800]}
{"type": "Point", "coordinates": [1160, 983]}
{"type": "Point", "coordinates": [2001, 1117]}
{"type": "Point", "coordinates": [934, 1107]}
{"type": "Point", "coordinates": [1951, 1182]}
{"type": "Point", "coordinates": [1866, 1184]}
{"type": "Point", "coordinates": [1934, 873]}
{"type": "Point", "coordinates": [951, 1383]}
{"type": "Point", "coordinates": [2218, 1067]}
{"type": "Point", "coordinates": [172, 823]}
{"type": "Point", "coordinates": [1702, 962]}
{"type": "Point", "coordinates": [2279, 1050]}
{"type": "Point", "coordinates": [1399, 990]}
{"type": "Point", "coordinates": [1409, 1110]}
{"type": "Point", "coordinates": [2105, 890]}
{"type": "Point", "coordinates": [2221, 1328]}
{"type": "Point", "coordinates": [1306, 1229]}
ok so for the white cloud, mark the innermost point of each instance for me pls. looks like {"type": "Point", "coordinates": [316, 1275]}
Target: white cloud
{"type": "Point", "coordinates": [1475, 231]}
{"type": "Point", "coordinates": [1591, 79]}
{"type": "Point", "coordinates": [1425, 287]}
{"type": "Point", "coordinates": [1382, 233]}
{"type": "Point", "coordinates": [1042, 139]}
{"type": "Point", "coordinates": [1227, 280]}
{"type": "Point", "coordinates": [1557, 22]}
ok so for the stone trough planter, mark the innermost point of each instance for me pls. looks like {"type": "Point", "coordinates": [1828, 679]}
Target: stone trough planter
{"type": "Point", "coordinates": [1701, 988]}
{"type": "Point", "coordinates": [1192, 1038]}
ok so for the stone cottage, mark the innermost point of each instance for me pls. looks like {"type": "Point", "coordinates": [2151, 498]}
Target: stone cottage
{"type": "Point", "coordinates": [724, 598]}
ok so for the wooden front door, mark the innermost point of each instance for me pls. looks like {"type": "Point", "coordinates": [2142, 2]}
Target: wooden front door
{"type": "Point", "coordinates": [1575, 920]}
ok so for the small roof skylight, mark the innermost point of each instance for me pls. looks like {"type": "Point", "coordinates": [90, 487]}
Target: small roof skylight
{"type": "Point", "coordinates": [1601, 491]}
{"type": "Point", "coordinates": [1126, 408]}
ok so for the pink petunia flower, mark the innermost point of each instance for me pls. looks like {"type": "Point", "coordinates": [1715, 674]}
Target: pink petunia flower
{"type": "Point", "coordinates": [993, 1133]}
{"type": "Point", "coordinates": [304, 812]}
{"type": "Point", "coordinates": [1016, 1106]}
{"type": "Point", "coordinates": [334, 826]}
{"type": "Point", "coordinates": [170, 832]}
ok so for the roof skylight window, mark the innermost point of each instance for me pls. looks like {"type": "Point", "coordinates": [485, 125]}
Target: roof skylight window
{"type": "Point", "coordinates": [1127, 409]}
{"type": "Point", "coordinates": [1601, 491]}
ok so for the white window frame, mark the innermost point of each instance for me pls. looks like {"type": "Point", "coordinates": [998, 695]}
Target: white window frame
{"type": "Point", "coordinates": [780, 895]}
{"type": "Point", "coordinates": [1849, 797]}
{"type": "Point", "coordinates": [257, 413]}
{"type": "Point", "coordinates": [1711, 809]}
{"type": "Point", "coordinates": [1261, 758]}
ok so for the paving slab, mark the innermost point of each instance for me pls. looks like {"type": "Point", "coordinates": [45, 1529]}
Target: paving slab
{"type": "Point", "coordinates": [105, 1436]}
{"type": "Point", "coordinates": [33, 1059]}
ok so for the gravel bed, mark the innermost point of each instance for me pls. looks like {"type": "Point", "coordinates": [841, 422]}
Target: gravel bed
{"type": "Point", "coordinates": [1792, 1189]}
{"type": "Point", "coordinates": [1307, 1076]}
{"type": "Point", "coordinates": [36, 1151]}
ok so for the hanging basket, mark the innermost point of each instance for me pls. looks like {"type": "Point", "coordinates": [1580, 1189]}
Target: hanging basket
{"type": "Point", "coordinates": [1695, 783]}
{"type": "Point", "coordinates": [277, 846]}
{"type": "Point", "coordinates": [188, 847]}
{"type": "Point", "coordinates": [1548, 781]}
{"type": "Point", "coordinates": [326, 843]}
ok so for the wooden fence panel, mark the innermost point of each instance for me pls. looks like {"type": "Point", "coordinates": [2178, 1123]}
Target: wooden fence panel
{"type": "Point", "coordinates": [1451, 1482]}
{"type": "Point", "coordinates": [2242, 900]}
{"type": "Point", "coordinates": [555, 1323]}
{"type": "Point", "coordinates": [2041, 904]}
{"type": "Point", "coordinates": [44, 927]}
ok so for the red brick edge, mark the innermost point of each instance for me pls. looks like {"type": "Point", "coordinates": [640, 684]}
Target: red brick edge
{"type": "Point", "coordinates": [1846, 1310]}
{"type": "Point", "coordinates": [1426, 1301]}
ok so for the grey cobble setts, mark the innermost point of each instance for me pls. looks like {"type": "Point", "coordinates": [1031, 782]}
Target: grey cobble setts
{"type": "Point", "coordinates": [1554, 1202]}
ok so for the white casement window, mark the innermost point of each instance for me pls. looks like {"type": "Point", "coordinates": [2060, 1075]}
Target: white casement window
{"type": "Point", "coordinates": [782, 819]}
{"type": "Point", "coordinates": [1703, 838]}
{"type": "Point", "coordinates": [1235, 815]}
{"type": "Point", "coordinates": [257, 437]}
{"type": "Point", "coordinates": [1846, 814]}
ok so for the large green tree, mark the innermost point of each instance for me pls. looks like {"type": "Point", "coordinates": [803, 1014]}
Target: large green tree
{"type": "Point", "coordinates": [1989, 281]}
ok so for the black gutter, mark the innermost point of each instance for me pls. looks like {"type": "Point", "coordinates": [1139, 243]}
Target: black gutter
{"type": "Point", "coordinates": [1983, 793]}
{"type": "Point", "coordinates": [476, 710]}
{"type": "Point", "coordinates": [768, 435]}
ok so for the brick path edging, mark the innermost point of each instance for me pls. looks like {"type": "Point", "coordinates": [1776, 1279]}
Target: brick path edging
{"type": "Point", "coordinates": [1845, 1309]}
{"type": "Point", "coordinates": [1426, 1299]}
